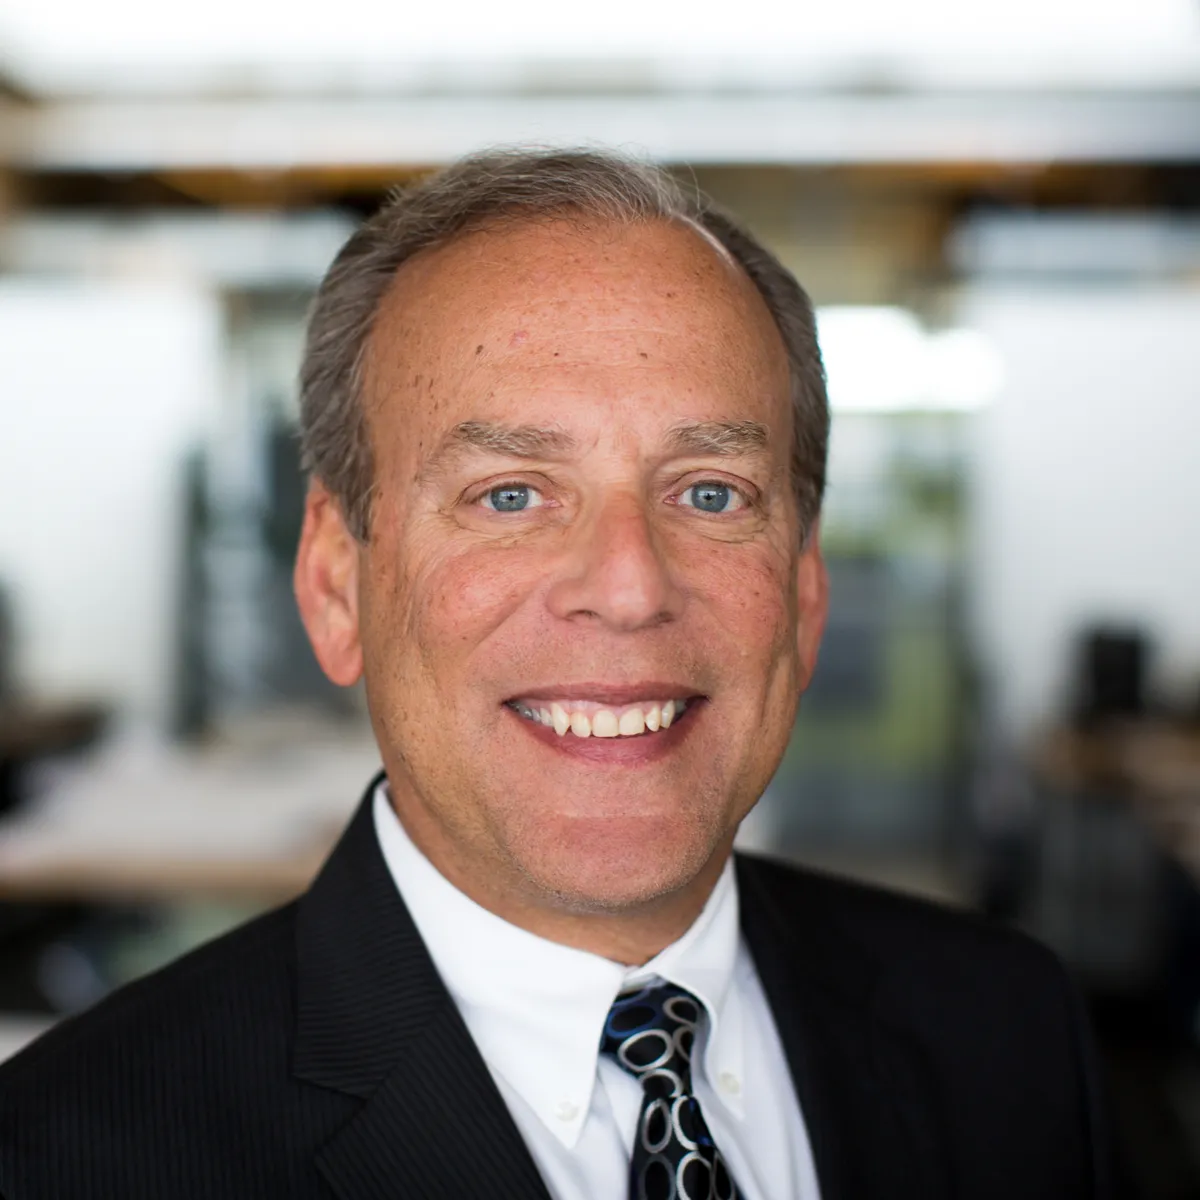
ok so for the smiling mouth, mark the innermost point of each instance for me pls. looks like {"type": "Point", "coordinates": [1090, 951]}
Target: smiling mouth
{"type": "Point", "coordinates": [593, 719]}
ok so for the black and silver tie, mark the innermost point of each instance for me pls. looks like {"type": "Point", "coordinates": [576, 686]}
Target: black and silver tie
{"type": "Point", "coordinates": [650, 1034]}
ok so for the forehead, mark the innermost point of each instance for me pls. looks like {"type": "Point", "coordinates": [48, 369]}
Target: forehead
{"type": "Point", "coordinates": [576, 302]}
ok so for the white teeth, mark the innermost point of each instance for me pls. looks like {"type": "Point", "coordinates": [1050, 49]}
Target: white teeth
{"type": "Point", "coordinates": [604, 724]}
{"type": "Point", "coordinates": [632, 723]}
{"type": "Point", "coordinates": [585, 718]}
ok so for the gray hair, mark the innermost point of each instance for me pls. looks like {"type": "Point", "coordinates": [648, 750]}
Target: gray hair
{"type": "Point", "coordinates": [490, 188]}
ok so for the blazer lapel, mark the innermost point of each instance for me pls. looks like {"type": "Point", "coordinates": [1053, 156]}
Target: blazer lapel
{"type": "Point", "coordinates": [375, 1021]}
{"type": "Point", "coordinates": [868, 1104]}
{"type": "Point", "coordinates": [436, 1127]}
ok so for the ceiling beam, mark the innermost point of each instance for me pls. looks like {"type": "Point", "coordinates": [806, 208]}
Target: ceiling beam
{"type": "Point", "coordinates": [801, 129]}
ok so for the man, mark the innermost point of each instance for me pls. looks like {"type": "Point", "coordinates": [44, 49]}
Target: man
{"type": "Point", "coordinates": [567, 431]}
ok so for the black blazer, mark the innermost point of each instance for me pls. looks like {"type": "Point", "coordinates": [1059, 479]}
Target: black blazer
{"type": "Point", "coordinates": [315, 1053]}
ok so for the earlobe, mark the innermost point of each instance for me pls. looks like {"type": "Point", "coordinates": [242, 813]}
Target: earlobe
{"type": "Point", "coordinates": [812, 593]}
{"type": "Point", "coordinates": [326, 585]}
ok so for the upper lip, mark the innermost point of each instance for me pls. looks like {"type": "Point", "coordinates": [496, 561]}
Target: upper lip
{"type": "Point", "coordinates": [610, 693]}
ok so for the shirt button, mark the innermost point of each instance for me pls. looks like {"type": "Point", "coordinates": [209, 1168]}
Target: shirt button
{"type": "Point", "coordinates": [730, 1083]}
{"type": "Point", "coordinates": [566, 1111]}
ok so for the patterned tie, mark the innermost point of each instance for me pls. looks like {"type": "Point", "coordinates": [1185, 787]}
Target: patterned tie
{"type": "Point", "coordinates": [650, 1034]}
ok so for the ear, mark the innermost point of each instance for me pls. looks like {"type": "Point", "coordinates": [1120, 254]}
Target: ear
{"type": "Point", "coordinates": [326, 584]}
{"type": "Point", "coordinates": [812, 591]}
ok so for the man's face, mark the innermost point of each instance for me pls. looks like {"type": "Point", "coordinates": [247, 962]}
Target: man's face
{"type": "Point", "coordinates": [583, 516]}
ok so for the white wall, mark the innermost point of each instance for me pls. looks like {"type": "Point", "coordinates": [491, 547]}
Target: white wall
{"type": "Point", "coordinates": [102, 388]}
{"type": "Point", "coordinates": [1087, 485]}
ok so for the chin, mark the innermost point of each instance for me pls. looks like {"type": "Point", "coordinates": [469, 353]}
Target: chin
{"type": "Point", "coordinates": [614, 864]}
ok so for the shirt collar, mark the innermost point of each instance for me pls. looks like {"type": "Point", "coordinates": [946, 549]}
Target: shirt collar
{"type": "Point", "coordinates": [536, 1008]}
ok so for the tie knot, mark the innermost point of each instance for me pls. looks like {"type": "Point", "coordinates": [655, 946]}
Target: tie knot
{"type": "Point", "coordinates": [650, 1033]}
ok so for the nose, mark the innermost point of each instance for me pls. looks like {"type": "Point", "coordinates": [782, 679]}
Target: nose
{"type": "Point", "coordinates": [617, 571]}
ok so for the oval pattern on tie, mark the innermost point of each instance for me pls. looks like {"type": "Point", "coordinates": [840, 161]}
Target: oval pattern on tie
{"type": "Point", "coordinates": [650, 1033]}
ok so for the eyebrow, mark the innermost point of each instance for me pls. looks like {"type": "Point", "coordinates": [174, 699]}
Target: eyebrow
{"type": "Point", "coordinates": [512, 441]}
{"type": "Point", "coordinates": [727, 439]}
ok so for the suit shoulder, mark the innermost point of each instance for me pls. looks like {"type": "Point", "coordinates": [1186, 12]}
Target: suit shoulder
{"type": "Point", "coordinates": [237, 975]}
{"type": "Point", "coordinates": [980, 1019]}
{"type": "Point", "coordinates": [161, 1089]}
{"type": "Point", "coordinates": [897, 929]}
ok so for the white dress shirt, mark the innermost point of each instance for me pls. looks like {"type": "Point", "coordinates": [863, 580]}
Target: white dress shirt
{"type": "Point", "coordinates": [536, 1010]}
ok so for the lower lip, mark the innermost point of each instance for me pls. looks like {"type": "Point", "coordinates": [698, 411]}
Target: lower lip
{"type": "Point", "coordinates": [619, 751]}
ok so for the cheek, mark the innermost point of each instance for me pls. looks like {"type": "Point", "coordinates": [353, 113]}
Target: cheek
{"type": "Point", "coordinates": [463, 599]}
{"type": "Point", "coordinates": [429, 615]}
{"type": "Point", "coordinates": [751, 594]}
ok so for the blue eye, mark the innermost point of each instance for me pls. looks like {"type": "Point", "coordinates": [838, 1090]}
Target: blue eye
{"type": "Point", "coordinates": [711, 497]}
{"type": "Point", "coordinates": [512, 497]}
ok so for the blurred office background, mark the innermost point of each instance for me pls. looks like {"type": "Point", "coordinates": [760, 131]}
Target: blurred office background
{"type": "Point", "coordinates": [997, 210]}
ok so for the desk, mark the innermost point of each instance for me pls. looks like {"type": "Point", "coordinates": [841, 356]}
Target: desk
{"type": "Point", "coordinates": [146, 823]}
